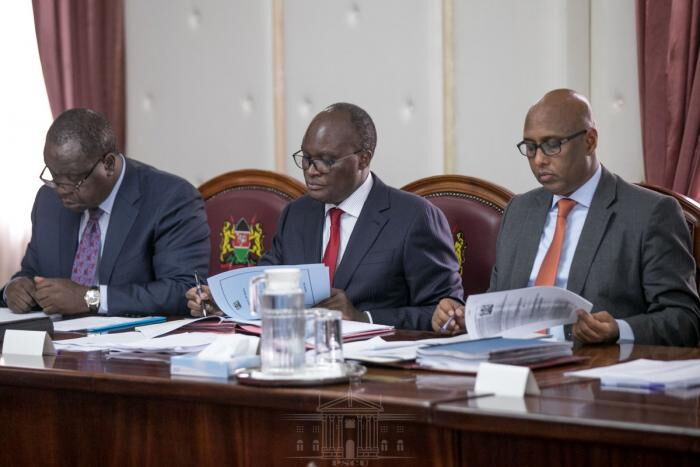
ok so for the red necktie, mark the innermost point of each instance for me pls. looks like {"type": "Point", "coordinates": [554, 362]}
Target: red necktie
{"type": "Point", "coordinates": [548, 271]}
{"type": "Point", "coordinates": [330, 257]}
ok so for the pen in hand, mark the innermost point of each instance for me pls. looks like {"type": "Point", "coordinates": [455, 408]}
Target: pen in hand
{"type": "Point", "coordinates": [198, 287]}
{"type": "Point", "coordinates": [443, 328]}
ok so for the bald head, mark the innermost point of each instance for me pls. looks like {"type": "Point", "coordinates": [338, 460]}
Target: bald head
{"type": "Point", "coordinates": [562, 119]}
{"type": "Point", "coordinates": [562, 109]}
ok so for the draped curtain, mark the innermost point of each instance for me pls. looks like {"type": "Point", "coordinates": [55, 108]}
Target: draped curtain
{"type": "Point", "coordinates": [668, 37]}
{"type": "Point", "coordinates": [81, 45]}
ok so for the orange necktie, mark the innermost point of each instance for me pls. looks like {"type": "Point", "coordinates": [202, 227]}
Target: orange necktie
{"type": "Point", "coordinates": [330, 257]}
{"type": "Point", "coordinates": [548, 271]}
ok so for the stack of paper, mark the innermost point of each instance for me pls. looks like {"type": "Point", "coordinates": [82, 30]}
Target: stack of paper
{"type": "Point", "coordinates": [653, 375]}
{"type": "Point", "coordinates": [466, 356]}
{"type": "Point", "coordinates": [136, 342]}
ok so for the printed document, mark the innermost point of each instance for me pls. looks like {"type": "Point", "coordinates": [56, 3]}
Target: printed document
{"type": "Point", "coordinates": [230, 288]}
{"type": "Point", "coordinates": [521, 310]}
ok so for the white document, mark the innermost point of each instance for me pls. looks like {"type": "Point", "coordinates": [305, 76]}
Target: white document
{"type": "Point", "coordinates": [230, 289]}
{"type": "Point", "coordinates": [521, 311]}
{"type": "Point", "coordinates": [136, 342]}
{"type": "Point", "coordinates": [655, 375]}
{"type": "Point", "coordinates": [89, 322]}
{"type": "Point", "coordinates": [6, 316]}
{"type": "Point", "coordinates": [158, 329]}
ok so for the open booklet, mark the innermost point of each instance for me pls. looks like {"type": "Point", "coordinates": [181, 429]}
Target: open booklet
{"type": "Point", "coordinates": [230, 288]}
{"type": "Point", "coordinates": [520, 311]}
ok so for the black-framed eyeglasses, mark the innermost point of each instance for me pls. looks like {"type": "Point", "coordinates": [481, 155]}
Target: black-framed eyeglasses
{"type": "Point", "coordinates": [49, 182]}
{"type": "Point", "coordinates": [321, 164]}
{"type": "Point", "coordinates": [550, 147]}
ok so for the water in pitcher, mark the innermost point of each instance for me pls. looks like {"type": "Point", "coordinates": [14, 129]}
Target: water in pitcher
{"type": "Point", "coordinates": [282, 345]}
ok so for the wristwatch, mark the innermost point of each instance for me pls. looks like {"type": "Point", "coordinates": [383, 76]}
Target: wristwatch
{"type": "Point", "coordinates": [92, 299]}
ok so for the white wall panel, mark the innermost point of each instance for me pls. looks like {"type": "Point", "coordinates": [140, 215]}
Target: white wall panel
{"type": "Point", "coordinates": [383, 55]}
{"type": "Point", "coordinates": [615, 87]}
{"type": "Point", "coordinates": [507, 55]}
{"type": "Point", "coordinates": [199, 85]}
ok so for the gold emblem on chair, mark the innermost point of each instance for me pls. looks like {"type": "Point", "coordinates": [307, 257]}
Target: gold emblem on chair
{"type": "Point", "coordinates": [460, 248]}
{"type": "Point", "coordinates": [241, 243]}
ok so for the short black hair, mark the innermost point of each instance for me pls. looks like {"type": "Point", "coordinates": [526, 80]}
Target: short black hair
{"type": "Point", "coordinates": [90, 129]}
{"type": "Point", "coordinates": [361, 121]}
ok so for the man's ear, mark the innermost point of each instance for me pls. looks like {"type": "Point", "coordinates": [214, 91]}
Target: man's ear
{"type": "Point", "coordinates": [591, 141]}
{"type": "Point", "coordinates": [365, 158]}
{"type": "Point", "coordinates": [110, 163]}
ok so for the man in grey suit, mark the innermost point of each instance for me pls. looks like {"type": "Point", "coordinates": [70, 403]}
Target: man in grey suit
{"type": "Point", "coordinates": [109, 234]}
{"type": "Point", "coordinates": [624, 248]}
{"type": "Point", "coordinates": [391, 258]}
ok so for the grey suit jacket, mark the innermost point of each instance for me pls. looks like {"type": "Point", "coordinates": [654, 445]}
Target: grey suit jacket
{"type": "Point", "coordinates": [399, 261]}
{"type": "Point", "coordinates": [157, 237]}
{"type": "Point", "coordinates": [633, 258]}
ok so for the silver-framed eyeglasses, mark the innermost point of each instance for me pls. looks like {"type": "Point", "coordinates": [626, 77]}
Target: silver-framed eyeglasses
{"type": "Point", "coordinates": [68, 186]}
{"type": "Point", "coordinates": [550, 147]}
{"type": "Point", "coordinates": [321, 164]}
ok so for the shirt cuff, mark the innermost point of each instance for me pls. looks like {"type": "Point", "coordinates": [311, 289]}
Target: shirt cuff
{"type": "Point", "coordinates": [626, 333]}
{"type": "Point", "coordinates": [369, 316]}
{"type": "Point", "coordinates": [103, 300]}
{"type": "Point", "coordinates": [557, 332]}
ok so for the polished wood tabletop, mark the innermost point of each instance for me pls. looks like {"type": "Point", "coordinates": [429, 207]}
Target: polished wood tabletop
{"type": "Point", "coordinates": [88, 405]}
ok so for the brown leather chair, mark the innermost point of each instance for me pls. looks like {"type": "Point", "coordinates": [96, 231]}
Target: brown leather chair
{"type": "Point", "coordinates": [243, 207]}
{"type": "Point", "coordinates": [473, 208]}
{"type": "Point", "coordinates": [691, 210]}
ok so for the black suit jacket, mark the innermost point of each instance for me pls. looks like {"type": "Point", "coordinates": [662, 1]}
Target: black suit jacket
{"type": "Point", "coordinates": [399, 261]}
{"type": "Point", "coordinates": [157, 237]}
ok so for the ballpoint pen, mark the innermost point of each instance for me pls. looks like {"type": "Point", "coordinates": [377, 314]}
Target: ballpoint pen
{"type": "Point", "coordinates": [198, 287]}
{"type": "Point", "coordinates": [443, 328]}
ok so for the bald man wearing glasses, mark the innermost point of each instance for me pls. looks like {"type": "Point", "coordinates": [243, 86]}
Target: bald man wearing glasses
{"type": "Point", "coordinates": [624, 248]}
{"type": "Point", "coordinates": [109, 235]}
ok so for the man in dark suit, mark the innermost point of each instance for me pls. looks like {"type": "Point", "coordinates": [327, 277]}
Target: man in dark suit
{"type": "Point", "coordinates": [624, 248]}
{"type": "Point", "coordinates": [389, 252]}
{"type": "Point", "coordinates": [109, 234]}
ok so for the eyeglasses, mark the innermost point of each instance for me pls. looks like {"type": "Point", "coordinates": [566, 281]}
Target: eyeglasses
{"type": "Point", "coordinates": [49, 182]}
{"type": "Point", "coordinates": [550, 147]}
{"type": "Point", "coordinates": [323, 165]}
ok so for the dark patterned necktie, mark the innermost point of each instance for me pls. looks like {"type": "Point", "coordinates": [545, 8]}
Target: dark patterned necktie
{"type": "Point", "coordinates": [88, 253]}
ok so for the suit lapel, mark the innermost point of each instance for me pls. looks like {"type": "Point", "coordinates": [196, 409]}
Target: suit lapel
{"type": "Point", "coordinates": [68, 241]}
{"type": "Point", "coordinates": [529, 240]}
{"type": "Point", "coordinates": [368, 226]}
{"type": "Point", "coordinates": [124, 213]}
{"type": "Point", "coordinates": [313, 230]}
{"type": "Point", "coordinates": [597, 220]}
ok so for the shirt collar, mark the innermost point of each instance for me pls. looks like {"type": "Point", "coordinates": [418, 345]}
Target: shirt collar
{"type": "Point", "coordinates": [584, 194]}
{"type": "Point", "coordinates": [108, 203]}
{"type": "Point", "coordinates": [353, 204]}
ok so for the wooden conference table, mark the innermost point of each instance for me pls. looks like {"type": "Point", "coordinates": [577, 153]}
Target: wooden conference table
{"type": "Point", "coordinates": [90, 409]}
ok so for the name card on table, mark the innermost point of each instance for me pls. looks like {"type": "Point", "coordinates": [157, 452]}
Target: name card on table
{"type": "Point", "coordinates": [35, 343]}
{"type": "Point", "coordinates": [505, 380]}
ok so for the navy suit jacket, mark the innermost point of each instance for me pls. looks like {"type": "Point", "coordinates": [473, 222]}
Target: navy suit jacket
{"type": "Point", "coordinates": [399, 261]}
{"type": "Point", "coordinates": [157, 237]}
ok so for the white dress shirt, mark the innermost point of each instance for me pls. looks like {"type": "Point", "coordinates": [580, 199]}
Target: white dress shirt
{"type": "Point", "coordinates": [106, 207]}
{"type": "Point", "coordinates": [352, 207]}
{"type": "Point", "coordinates": [574, 225]}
